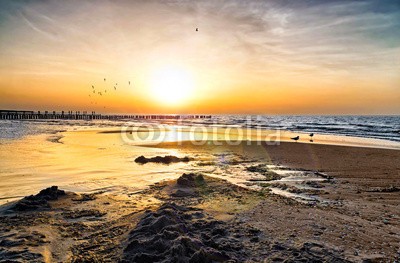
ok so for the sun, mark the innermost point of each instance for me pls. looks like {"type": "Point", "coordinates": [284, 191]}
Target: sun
{"type": "Point", "coordinates": [172, 85]}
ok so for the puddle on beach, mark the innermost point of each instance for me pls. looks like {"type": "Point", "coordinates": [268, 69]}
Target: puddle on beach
{"type": "Point", "coordinates": [300, 185]}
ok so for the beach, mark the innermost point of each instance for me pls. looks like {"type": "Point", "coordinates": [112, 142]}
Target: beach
{"type": "Point", "coordinates": [241, 200]}
{"type": "Point", "coordinates": [199, 131]}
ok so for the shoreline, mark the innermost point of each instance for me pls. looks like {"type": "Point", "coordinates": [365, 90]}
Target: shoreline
{"type": "Point", "coordinates": [181, 134]}
{"type": "Point", "coordinates": [103, 146]}
{"type": "Point", "coordinates": [350, 212]}
{"type": "Point", "coordinates": [215, 130]}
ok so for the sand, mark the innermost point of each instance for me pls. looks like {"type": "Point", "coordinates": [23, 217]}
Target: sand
{"type": "Point", "coordinates": [178, 221]}
{"type": "Point", "coordinates": [235, 203]}
{"type": "Point", "coordinates": [358, 212]}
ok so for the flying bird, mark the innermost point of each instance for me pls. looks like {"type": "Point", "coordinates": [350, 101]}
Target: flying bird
{"type": "Point", "coordinates": [197, 29]}
{"type": "Point", "coordinates": [295, 138]}
{"type": "Point", "coordinates": [104, 79]}
{"type": "Point", "coordinates": [129, 82]}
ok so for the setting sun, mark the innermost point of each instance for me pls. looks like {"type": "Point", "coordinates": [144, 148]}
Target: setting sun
{"type": "Point", "coordinates": [171, 85]}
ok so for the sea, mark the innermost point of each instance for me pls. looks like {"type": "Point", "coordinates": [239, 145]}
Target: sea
{"type": "Point", "coordinates": [377, 127]}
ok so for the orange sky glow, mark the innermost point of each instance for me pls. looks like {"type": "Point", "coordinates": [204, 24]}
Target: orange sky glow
{"type": "Point", "coordinates": [250, 57]}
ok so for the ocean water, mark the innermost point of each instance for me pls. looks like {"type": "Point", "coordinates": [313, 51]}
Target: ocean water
{"type": "Point", "coordinates": [378, 127]}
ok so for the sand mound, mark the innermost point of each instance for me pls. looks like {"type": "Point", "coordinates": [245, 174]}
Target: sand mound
{"type": "Point", "coordinates": [39, 201]}
{"type": "Point", "coordinates": [159, 159]}
{"type": "Point", "coordinates": [181, 234]}
{"type": "Point", "coordinates": [191, 180]}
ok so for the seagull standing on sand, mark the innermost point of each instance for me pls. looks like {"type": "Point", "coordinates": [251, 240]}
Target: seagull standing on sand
{"type": "Point", "coordinates": [295, 138]}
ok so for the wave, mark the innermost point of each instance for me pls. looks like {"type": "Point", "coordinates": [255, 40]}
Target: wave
{"type": "Point", "coordinates": [380, 127]}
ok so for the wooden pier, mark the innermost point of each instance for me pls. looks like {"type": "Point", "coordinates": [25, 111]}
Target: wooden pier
{"type": "Point", "coordinates": [84, 115]}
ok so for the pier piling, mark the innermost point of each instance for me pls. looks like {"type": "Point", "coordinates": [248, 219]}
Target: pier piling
{"type": "Point", "coordinates": [78, 115]}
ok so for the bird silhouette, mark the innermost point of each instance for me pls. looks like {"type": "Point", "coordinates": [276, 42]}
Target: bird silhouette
{"type": "Point", "coordinates": [311, 136]}
{"type": "Point", "coordinates": [104, 79]}
{"type": "Point", "coordinates": [129, 82]}
{"type": "Point", "coordinates": [115, 88]}
{"type": "Point", "coordinates": [197, 29]}
{"type": "Point", "coordinates": [295, 138]}
{"type": "Point", "coordinates": [92, 87]}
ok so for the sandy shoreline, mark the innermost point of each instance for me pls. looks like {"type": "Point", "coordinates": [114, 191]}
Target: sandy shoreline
{"type": "Point", "coordinates": [172, 221]}
{"type": "Point", "coordinates": [352, 214]}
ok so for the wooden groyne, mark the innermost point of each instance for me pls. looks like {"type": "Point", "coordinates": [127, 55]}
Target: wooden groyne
{"type": "Point", "coordinates": [84, 115]}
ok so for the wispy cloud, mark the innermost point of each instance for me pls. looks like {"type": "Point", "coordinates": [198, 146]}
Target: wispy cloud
{"type": "Point", "coordinates": [35, 27]}
{"type": "Point", "coordinates": [239, 39]}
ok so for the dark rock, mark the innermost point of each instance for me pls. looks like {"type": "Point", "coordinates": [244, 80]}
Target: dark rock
{"type": "Point", "coordinates": [159, 159]}
{"type": "Point", "coordinates": [39, 201]}
{"type": "Point", "coordinates": [141, 159]}
{"type": "Point", "coordinates": [191, 180]}
{"type": "Point", "coordinates": [51, 193]}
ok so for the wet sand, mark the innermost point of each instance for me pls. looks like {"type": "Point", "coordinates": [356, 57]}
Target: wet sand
{"type": "Point", "coordinates": [365, 221]}
{"type": "Point", "coordinates": [349, 211]}
{"type": "Point", "coordinates": [355, 201]}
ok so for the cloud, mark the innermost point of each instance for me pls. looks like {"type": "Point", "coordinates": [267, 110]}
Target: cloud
{"type": "Point", "coordinates": [257, 37]}
{"type": "Point", "coordinates": [34, 25]}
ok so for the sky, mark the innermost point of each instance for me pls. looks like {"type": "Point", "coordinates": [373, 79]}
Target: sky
{"type": "Point", "coordinates": [247, 57]}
